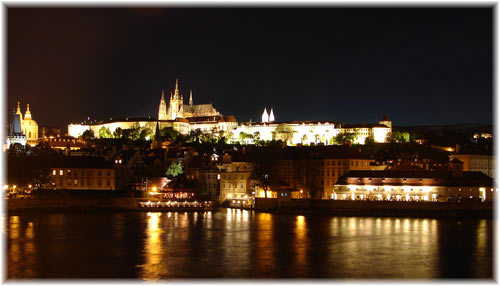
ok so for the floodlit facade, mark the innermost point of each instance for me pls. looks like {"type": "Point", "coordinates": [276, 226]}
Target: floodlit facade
{"type": "Point", "coordinates": [413, 186]}
{"type": "Point", "coordinates": [308, 132]}
{"type": "Point", "coordinates": [24, 130]}
{"type": "Point", "coordinates": [183, 118]}
{"type": "Point", "coordinates": [235, 182]}
{"type": "Point", "coordinates": [81, 173]}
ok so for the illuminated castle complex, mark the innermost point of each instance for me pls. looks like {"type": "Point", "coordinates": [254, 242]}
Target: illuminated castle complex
{"type": "Point", "coordinates": [181, 117]}
{"type": "Point", "coordinates": [309, 132]}
{"type": "Point", "coordinates": [177, 109]}
{"type": "Point", "coordinates": [204, 117]}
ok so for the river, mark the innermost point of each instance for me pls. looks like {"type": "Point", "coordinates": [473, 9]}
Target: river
{"type": "Point", "coordinates": [231, 243]}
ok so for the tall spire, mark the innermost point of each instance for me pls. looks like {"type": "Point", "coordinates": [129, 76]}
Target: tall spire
{"type": "Point", "coordinates": [18, 111]}
{"type": "Point", "coordinates": [271, 116]}
{"type": "Point", "coordinates": [191, 97]}
{"type": "Point", "coordinates": [265, 116]}
{"type": "Point", "coordinates": [162, 110]}
{"type": "Point", "coordinates": [176, 92]}
{"type": "Point", "coordinates": [27, 115]}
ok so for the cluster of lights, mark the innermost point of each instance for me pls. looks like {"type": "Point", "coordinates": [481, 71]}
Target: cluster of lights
{"type": "Point", "coordinates": [173, 204]}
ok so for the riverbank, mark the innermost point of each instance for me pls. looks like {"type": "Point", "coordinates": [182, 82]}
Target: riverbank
{"type": "Point", "coordinates": [97, 203]}
{"type": "Point", "coordinates": [375, 208]}
{"type": "Point", "coordinates": [321, 207]}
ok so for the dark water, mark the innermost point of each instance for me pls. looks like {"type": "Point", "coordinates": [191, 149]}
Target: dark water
{"type": "Point", "coordinates": [237, 243]}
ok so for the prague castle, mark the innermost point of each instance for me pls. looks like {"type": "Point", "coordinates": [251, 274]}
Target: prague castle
{"type": "Point", "coordinates": [177, 108]}
{"type": "Point", "coordinates": [183, 118]}
{"type": "Point", "coordinates": [309, 132]}
{"type": "Point", "coordinates": [23, 129]}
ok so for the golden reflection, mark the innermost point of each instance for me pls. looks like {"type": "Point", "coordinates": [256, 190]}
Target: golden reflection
{"type": "Point", "coordinates": [481, 235]}
{"type": "Point", "coordinates": [14, 227]}
{"type": "Point", "coordinates": [30, 232]}
{"type": "Point", "coordinates": [301, 244]}
{"type": "Point", "coordinates": [153, 250]}
{"type": "Point", "coordinates": [264, 243]}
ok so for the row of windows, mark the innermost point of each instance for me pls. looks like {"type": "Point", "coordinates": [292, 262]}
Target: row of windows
{"type": "Point", "coordinates": [234, 185]}
{"type": "Point", "coordinates": [83, 182]}
{"type": "Point", "coordinates": [232, 176]}
{"type": "Point", "coordinates": [76, 173]}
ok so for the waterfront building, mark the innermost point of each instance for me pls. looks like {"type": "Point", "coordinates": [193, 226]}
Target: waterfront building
{"type": "Point", "coordinates": [183, 118]}
{"type": "Point", "coordinates": [81, 173]}
{"type": "Point", "coordinates": [454, 185]}
{"type": "Point", "coordinates": [235, 177]}
{"type": "Point", "coordinates": [204, 169]}
{"type": "Point", "coordinates": [303, 167]}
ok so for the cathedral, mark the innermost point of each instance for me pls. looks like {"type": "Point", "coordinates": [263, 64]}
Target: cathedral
{"type": "Point", "coordinates": [177, 108]}
{"type": "Point", "coordinates": [23, 130]}
{"type": "Point", "coordinates": [177, 115]}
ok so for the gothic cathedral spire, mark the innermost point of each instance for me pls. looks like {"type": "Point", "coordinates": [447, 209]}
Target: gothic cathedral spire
{"type": "Point", "coordinates": [162, 111]}
{"type": "Point", "coordinates": [191, 97]}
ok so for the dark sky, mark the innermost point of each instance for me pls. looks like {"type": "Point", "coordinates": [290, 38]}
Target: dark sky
{"type": "Point", "coordinates": [419, 66]}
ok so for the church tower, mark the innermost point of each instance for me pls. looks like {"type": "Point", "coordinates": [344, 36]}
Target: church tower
{"type": "Point", "coordinates": [271, 116]}
{"type": "Point", "coordinates": [265, 117]}
{"type": "Point", "coordinates": [175, 108]}
{"type": "Point", "coordinates": [18, 111]}
{"type": "Point", "coordinates": [386, 121]}
{"type": "Point", "coordinates": [190, 97]}
{"type": "Point", "coordinates": [30, 127]}
{"type": "Point", "coordinates": [162, 111]}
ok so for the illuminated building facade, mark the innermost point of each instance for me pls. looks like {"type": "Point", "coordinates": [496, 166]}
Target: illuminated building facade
{"type": "Point", "coordinates": [183, 118]}
{"type": "Point", "coordinates": [24, 129]}
{"type": "Point", "coordinates": [235, 182]}
{"type": "Point", "coordinates": [414, 186]}
{"type": "Point", "coordinates": [323, 167]}
{"type": "Point", "coordinates": [309, 132]}
{"type": "Point", "coordinates": [81, 173]}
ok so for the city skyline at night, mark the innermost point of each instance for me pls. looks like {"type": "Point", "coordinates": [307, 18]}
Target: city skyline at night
{"type": "Point", "coordinates": [343, 64]}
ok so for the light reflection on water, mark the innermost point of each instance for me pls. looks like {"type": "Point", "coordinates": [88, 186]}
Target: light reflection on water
{"type": "Point", "coordinates": [244, 244]}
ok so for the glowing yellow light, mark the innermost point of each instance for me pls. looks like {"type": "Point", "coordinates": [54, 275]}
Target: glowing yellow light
{"type": "Point", "coordinates": [29, 186]}
{"type": "Point", "coordinates": [155, 188]}
{"type": "Point", "coordinates": [14, 186]}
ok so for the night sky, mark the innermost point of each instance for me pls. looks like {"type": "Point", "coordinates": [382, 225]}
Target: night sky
{"type": "Point", "coordinates": [419, 66]}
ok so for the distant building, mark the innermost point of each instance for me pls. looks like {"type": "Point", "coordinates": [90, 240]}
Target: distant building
{"type": "Point", "coordinates": [81, 173]}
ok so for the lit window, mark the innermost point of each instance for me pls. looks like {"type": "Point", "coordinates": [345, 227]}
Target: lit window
{"type": "Point", "coordinates": [54, 172]}
{"type": "Point", "coordinates": [61, 172]}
